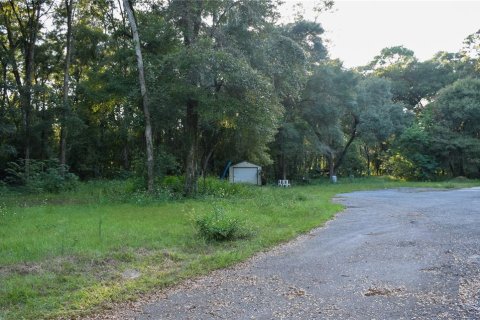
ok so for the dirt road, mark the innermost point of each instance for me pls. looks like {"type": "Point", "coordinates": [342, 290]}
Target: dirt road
{"type": "Point", "coordinates": [392, 254]}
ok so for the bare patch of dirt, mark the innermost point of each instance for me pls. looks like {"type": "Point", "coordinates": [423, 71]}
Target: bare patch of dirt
{"type": "Point", "coordinates": [294, 293]}
{"type": "Point", "coordinates": [21, 269]}
{"type": "Point", "coordinates": [377, 291]}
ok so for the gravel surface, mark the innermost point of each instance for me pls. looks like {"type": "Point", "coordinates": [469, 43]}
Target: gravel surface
{"type": "Point", "coordinates": [392, 254]}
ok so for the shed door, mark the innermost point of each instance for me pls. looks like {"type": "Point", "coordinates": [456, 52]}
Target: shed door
{"type": "Point", "coordinates": [245, 175]}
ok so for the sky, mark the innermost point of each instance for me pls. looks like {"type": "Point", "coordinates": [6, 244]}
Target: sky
{"type": "Point", "coordinates": [357, 30]}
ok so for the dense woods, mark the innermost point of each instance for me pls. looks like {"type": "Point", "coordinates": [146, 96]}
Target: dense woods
{"type": "Point", "coordinates": [117, 89]}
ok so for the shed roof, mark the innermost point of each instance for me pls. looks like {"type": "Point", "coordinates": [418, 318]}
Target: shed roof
{"type": "Point", "coordinates": [245, 164]}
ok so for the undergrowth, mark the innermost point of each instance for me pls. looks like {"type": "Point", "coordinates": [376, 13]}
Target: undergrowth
{"type": "Point", "coordinates": [73, 253]}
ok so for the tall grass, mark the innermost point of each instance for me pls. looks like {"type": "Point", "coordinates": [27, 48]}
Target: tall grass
{"type": "Point", "coordinates": [64, 255]}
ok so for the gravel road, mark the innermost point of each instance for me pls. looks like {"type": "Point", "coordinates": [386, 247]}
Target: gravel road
{"type": "Point", "coordinates": [392, 254]}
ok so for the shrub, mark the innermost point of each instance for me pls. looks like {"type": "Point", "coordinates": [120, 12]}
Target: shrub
{"type": "Point", "coordinates": [131, 190]}
{"type": "Point", "coordinates": [173, 184]}
{"type": "Point", "coordinates": [212, 186]}
{"type": "Point", "coordinates": [418, 167]}
{"type": "Point", "coordinates": [42, 176]}
{"type": "Point", "coordinates": [220, 226]}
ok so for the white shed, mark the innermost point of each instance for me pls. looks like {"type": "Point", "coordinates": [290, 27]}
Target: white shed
{"type": "Point", "coordinates": [245, 172]}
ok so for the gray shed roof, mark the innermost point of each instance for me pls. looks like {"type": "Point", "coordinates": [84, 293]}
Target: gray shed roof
{"type": "Point", "coordinates": [245, 164]}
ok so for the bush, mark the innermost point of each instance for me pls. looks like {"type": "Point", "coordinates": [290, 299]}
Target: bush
{"type": "Point", "coordinates": [418, 168]}
{"type": "Point", "coordinates": [173, 184]}
{"type": "Point", "coordinates": [220, 226]}
{"type": "Point", "coordinates": [212, 186]}
{"type": "Point", "coordinates": [131, 190]}
{"type": "Point", "coordinates": [166, 164]}
{"type": "Point", "coordinates": [42, 176]}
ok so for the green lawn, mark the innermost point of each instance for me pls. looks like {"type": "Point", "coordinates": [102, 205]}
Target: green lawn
{"type": "Point", "coordinates": [74, 253]}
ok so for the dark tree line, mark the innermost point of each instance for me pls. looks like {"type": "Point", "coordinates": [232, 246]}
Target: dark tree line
{"type": "Point", "coordinates": [149, 88]}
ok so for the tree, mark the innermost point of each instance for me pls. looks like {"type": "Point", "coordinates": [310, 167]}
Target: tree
{"type": "Point", "coordinates": [21, 23]}
{"type": "Point", "coordinates": [69, 8]}
{"type": "Point", "coordinates": [414, 156]}
{"type": "Point", "coordinates": [215, 77]}
{"type": "Point", "coordinates": [413, 83]}
{"type": "Point", "coordinates": [329, 94]}
{"type": "Point", "coordinates": [144, 95]}
{"type": "Point", "coordinates": [378, 118]}
{"type": "Point", "coordinates": [455, 127]}
{"type": "Point", "coordinates": [290, 53]}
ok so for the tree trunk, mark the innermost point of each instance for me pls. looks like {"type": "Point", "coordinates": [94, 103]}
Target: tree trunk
{"type": "Point", "coordinates": [191, 22]}
{"type": "Point", "coordinates": [4, 90]}
{"type": "Point", "coordinates": [191, 131]}
{"type": "Point", "coordinates": [331, 164]}
{"type": "Point", "coordinates": [125, 155]}
{"type": "Point", "coordinates": [283, 163]}
{"type": "Point", "coordinates": [143, 91]}
{"type": "Point", "coordinates": [452, 170]}
{"type": "Point", "coordinates": [206, 160]}
{"type": "Point", "coordinates": [353, 135]}
{"type": "Point", "coordinates": [66, 80]}
{"type": "Point", "coordinates": [367, 155]}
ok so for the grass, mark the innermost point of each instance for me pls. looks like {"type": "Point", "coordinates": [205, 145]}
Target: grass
{"type": "Point", "coordinates": [75, 253]}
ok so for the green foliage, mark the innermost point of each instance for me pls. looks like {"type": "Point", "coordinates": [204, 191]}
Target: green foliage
{"type": "Point", "coordinates": [166, 164]}
{"type": "Point", "coordinates": [393, 57]}
{"type": "Point", "coordinates": [87, 243]}
{"type": "Point", "coordinates": [128, 191]}
{"type": "Point", "coordinates": [417, 160]}
{"type": "Point", "coordinates": [328, 96]}
{"type": "Point", "coordinates": [378, 116]}
{"type": "Point", "coordinates": [173, 184]}
{"type": "Point", "coordinates": [412, 80]}
{"type": "Point", "coordinates": [208, 187]}
{"type": "Point", "coordinates": [3, 187]}
{"type": "Point", "coordinates": [353, 164]}
{"type": "Point", "coordinates": [400, 167]}
{"type": "Point", "coordinates": [215, 187]}
{"type": "Point", "coordinates": [219, 225]}
{"type": "Point", "coordinates": [446, 136]}
{"type": "Point", "coordinates": [262, 91]}
{"type": "Point", "coordinates": [41, 176]}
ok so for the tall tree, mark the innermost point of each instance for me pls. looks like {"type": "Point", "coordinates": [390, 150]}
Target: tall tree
{"type": "Point", "coordinates": [329, 95]}
{"type": "Point", "coordinates": [414, 83]}
{"type": "Point", "coordinates": [293, 51]}
{"type": "Point", "coordinates": [455, 127]}
{"type": "Point", "coordinates": [144, 95]}
{"type": "Point", "coordinates": [379, 119]}
{"type": "Point", "coordinates": [21, 20]}
{"type": "Point", "coordinates": [69, 8]}
{"type": "Point", "coordinates": [217, 71]}
{"type": "Point", "coordinates": [190, 23]}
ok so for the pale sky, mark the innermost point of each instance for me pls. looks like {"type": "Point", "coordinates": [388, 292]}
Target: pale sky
{"type": "Point", "coordinates": [357, 30]}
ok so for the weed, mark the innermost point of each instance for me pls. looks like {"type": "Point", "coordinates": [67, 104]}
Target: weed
{"type": "Point", "coordinates": [220, 226]}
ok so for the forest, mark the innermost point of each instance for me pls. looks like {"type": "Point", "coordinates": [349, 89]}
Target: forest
{"type": "Point", "coordinates": [174, 90]}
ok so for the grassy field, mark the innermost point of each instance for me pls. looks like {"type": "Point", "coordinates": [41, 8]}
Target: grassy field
{"type": "Point", "coordinates": [75, 253]}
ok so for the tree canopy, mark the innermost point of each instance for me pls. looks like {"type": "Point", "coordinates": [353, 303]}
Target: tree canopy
{"type": "Point", "coordinates": [222, 81]}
